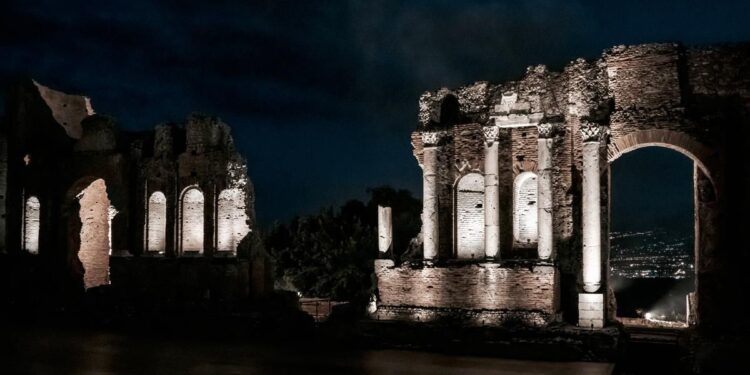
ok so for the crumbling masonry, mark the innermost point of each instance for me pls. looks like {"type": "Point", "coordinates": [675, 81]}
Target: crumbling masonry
{"type": "Point", "coordinates": [85, 204]}
{"type": "Point", "coordinates": [516, 187]}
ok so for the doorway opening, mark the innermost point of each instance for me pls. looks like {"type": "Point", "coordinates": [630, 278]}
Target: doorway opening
{"type": "Point", "coordinates": [652, 236]}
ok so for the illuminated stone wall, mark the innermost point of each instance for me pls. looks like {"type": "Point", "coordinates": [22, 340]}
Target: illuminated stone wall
{"type": "Point", "coordinates": [470, 217]}
{"type": "Point", "coordinates": [192, 225]}
{"type": "Point", "coordinates": [693, 100]}
{"type": "Point", "coordinates": [31, 225]}
{"type": "Point", "coordinates": [525, 209]}
{"type": "Point", "coordinates": [231, 219]}
{"type": "Point", "coordinates": [55, 148]}
{"type": "Point", "coordinates": [157, 222]}
{"type": "Point", "coordinates": [67, 110]}
{"type": "Point", "coordinates": [95, 245]}
{"type": "Point", "coordinates": [528, 290]}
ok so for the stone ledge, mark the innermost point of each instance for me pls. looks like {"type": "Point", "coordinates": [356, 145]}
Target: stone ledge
{"type": "Point", "coordinates": [457, 263]}
{"type": "Point", "coordinates": [489, 318]}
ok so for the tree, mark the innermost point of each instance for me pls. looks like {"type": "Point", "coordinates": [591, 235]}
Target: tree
{"type": "Point", "coordinates": [331, 254]}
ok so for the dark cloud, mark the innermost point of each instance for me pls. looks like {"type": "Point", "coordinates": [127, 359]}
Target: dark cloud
{"type": "Point", "coordinates": [321, 95]}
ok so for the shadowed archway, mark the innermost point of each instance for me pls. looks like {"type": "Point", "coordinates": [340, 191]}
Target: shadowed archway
{"type": "Point", "coordinates": [657, 182]}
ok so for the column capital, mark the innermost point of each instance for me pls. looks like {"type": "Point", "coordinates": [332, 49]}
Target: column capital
{"type": "Point", "coordinates": [549, 129]}
{"type": "Point", "coordinates": [593, 132]}
{"type": "Point", "coordinates": [491, 133]}
{"type": "Point", "coordinates": [433, 138]}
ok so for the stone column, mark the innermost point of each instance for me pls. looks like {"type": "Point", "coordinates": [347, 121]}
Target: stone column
{"type": "Point", "coordinates": [592, 236]}
{"type": "Point", "coordinates": [430, 223]}
{"type": "Point", "coordinates": [385, 229]}
{"type": "Point", "coordinates": [591, 304]}
{"type": "Point", "coordinates": [491, 193]}
{"type": "Point", "coordinates": [545, 242]}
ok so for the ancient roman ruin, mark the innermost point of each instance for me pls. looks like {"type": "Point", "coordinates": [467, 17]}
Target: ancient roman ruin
{"type": "Point", "coordinates": [167, 213]}
{"type": "Point", "coordinates": [517, 191]}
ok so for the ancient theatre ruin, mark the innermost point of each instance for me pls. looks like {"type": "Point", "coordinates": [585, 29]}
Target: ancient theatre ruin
{"type": "Point", "coordinates": [85, 204]}
{"type": "Point", "coordinates": [515, 222]}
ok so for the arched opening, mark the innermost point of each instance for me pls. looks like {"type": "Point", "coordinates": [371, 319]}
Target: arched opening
{"type": "Point", "coordinates": [470, 216]}
{"type": "Point", "coordinates": [652, 236]}
{"type": "Point", "coordinates": [525, 210]}
{"type": "Point", "coordinates": [95, 234]}
{"type": "Point", "coordinates": [231, 220]}
{"type": "Point", "coordinates": [156, 223]}
{"type": "Point", "coordinates": [192, 216]}
{"type": "Point", "coordinates": [31, 225]}
{"type": "Point", "coordinates": [450, 111]}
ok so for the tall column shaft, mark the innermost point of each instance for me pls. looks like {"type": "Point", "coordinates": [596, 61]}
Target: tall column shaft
{"type": "Point", "coordinates": [385, 229]}
{"type": "Point", "coordinates": [592, 238]}
{"type": "Point", "coordinates": [546, 243]}
{"type": "Point", "coordinates": [491, 194]}
{"type": "Point", "coordinates": [430, 224]}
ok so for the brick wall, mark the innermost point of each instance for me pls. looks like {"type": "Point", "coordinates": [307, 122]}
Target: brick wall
{"type": "Point", "coordinates": [693, 100]}
{"type": "Point", "coordinates": [470, 217]}
{"type": "Point", "coordinates": [475, 286]}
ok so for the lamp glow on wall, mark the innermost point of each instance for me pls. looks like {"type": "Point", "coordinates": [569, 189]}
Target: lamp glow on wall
{"type": "Point", "coordinates": [95, 216]}
{"type": "Point", "coordinates": [192, 220]}
{"type": "Point", "coordinates": [31, 225]}
{"type": "Point", "coordinates": [157, 223]}
{"type": "Point", "coordinates": [232, 218]}
{"type": "Point", "coordinates": [525, 212]}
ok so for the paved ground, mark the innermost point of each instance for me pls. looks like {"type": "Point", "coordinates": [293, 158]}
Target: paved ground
{"type": "Point", "coordinates": [55, 352]}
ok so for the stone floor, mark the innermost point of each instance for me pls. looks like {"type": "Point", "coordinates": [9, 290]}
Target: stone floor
{"type": "Point", "coordinates": [40, 351]}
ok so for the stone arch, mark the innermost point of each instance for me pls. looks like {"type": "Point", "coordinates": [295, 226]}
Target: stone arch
{"type": "Point", "coordinates": [705, 191]}
{"type": "Point", "coordinates": [192, 219]}
{"type": "Point", "coordinates": [525, 200]}
{"type": "Point", "coordinates": [469, 216]}
{"type": "Point", "coordinates": [31, 225]}
{"type": "Point", "coordinates": [702, 155]}
{"type": "Point", "coordinates": [156, 223]}
{"type": "Point", "coordinates": [231, 223]}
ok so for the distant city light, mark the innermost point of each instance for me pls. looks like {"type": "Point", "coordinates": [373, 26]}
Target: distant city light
{"type": "Point", "coordinates": [652, 254]}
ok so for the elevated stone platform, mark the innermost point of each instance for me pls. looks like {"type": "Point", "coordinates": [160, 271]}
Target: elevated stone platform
{"type": "Point", "coordinates": [472, 293]}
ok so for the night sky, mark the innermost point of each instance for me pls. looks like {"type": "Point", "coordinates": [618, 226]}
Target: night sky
{"type": "Point", "coordinates": [321, 96]}
{"type": "Point", "coordinates": [652, 188]}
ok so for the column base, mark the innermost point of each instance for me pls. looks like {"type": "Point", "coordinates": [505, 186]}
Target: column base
{"type": "Point", "coordinates": [429, 262]}
{"type": "Point", "coordinates": [591, 310]}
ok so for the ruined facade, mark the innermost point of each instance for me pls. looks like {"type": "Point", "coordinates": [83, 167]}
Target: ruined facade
{"type": "Point", "coordinates": [516, 187]}
{"type": "Point", "coordinates": [87, 204]}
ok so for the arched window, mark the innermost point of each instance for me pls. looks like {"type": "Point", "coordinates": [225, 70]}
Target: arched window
{"type": "Point", "coordinates": [192, 220]}
{"type": "Point", "coordinates": [525, 209]}
{"type": "Point", "coordinates": [231, 219]}
{"type": "Point", "coordinates": [31, 225]}
{"type": "Point", "coordinates": [470, 216]}
{"type": "Point", "coordinates": [156, 224]}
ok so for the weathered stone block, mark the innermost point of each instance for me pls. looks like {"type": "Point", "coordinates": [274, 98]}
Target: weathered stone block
{"type": "Point", "coordinates": [470, 286]}
{"type": "Point", "coordinates": [591, 310]}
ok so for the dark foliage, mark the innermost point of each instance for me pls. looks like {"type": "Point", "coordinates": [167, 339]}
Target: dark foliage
{"type": "Point", "coordinates": [331, 254]}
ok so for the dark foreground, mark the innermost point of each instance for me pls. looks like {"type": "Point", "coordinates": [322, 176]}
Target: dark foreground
{"type": "Point", "coordinates": [47, 351]}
